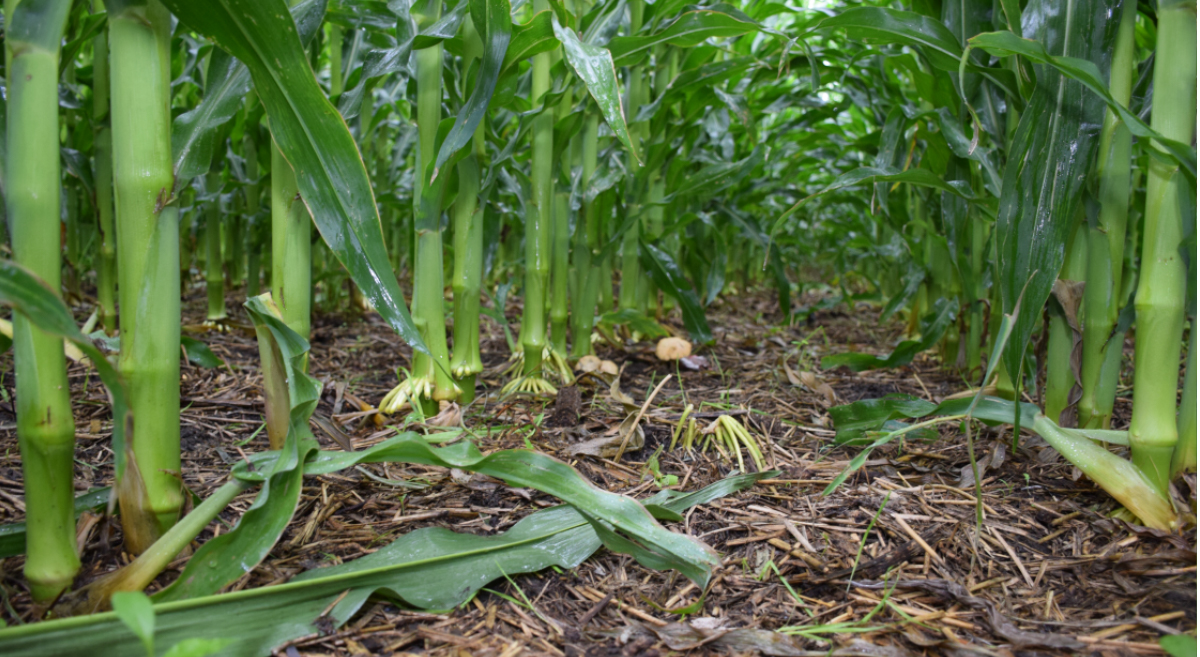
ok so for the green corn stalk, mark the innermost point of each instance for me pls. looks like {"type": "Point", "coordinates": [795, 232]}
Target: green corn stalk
{"type": "Point", "coordinates": [250, 153]}
{"type": "Point", "coordinates": [45, 426]}
{"type": "Point", "coordinates": [106, 266]}
{"type": "Point", "coordinates": [214, 274]}
{"type": "Point", "coordinates": [1184, 457]}
{"type": "Point", "coordinates": [631, 268]}
{"type": "Point", "coordinates": [466, 364]}
{"type": "Point", "coordinates": [148, 241]}
{"type": "Point", "coordinates": [234, 232]}
{"type": "Point", "coordinates": [1162, 287]}
{"type": "Point", "coordinates": [291, 247]}
{"type": "Point", "coordinates": [586, 263]}
{"type": "Point", "coordinates": [539, 222]}
{"type": "Point", "coordinates": [1101, 357]}
{"type": "Point", "coordinates": [428, 302]}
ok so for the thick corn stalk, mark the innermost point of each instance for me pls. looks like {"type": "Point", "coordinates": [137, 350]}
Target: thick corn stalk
{"type": "Point", "coordinates": [45, 426]}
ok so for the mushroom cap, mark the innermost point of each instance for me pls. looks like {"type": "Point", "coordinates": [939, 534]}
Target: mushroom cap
{"type": "Point", "coordinates": [588, 363]}
{"type": "Point", "coordinates": [673, 349]}
{"type": "Point", "coordinates": [609, 367]}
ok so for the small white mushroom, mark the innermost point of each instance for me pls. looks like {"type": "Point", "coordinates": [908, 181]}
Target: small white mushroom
{"type": "Point", "coordinates": [588, 363]}
{"type": "Point", "coordinates": [673, 349]}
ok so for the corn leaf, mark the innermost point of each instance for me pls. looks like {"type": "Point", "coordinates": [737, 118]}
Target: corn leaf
{"type": "Point", "coordinates": [528, 469]}
{"type": "Point", "coordinates": [689, 29]}
{"type": "Point", "coordinates": [492, 20]}
{"type": "Point", "coordinates": [529, 39]}
{"type": "Point", "coordinates": [383, 61]}
{"type": "Point", "coordinates": [224, 559]}
{"type": "Point", "coordinates": [194, 133]}
{"type": "Point", "coordinates": [1005, 44]}
{"type": "Point", "coordinates": [933, 326]}
{"type": "Point", "coordinates": [255, 621]}
{"type": "Point", "coordinates": [1049, 159]}
{"type": "Point", "coordinates": [594, 65]}
{"type": "Point", "coordinates": [12, 536]}
{"type": "Point", "coordinates": [669, 278]}
{"type": "Point", "coordinates": [25, 293]}
{"type": "Point", "coordinates": [313, 137]}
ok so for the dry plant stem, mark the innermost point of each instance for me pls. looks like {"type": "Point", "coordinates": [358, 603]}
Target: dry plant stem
{"type": "Point", "coordinates": [1163, 284]}
{"type": "Point", "coordinates": [1060, 375]}
{"type": "Point", "coordinates": [45, 426]}
{"type": "Point", "coordinates": [641, 412]}
{"type": "Point", "coordinates": [147, 231]}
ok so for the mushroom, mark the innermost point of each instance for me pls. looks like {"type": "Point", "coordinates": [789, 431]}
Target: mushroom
{"type": "Point", "coordinates": [673, 349]}
{"type": "Point", "coordinates": [609, 367]}
{"type": "Point", "coordinates": [588, 363]}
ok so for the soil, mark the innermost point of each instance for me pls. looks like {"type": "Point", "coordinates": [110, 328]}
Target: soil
{"type": "Point", "coordinates": [892, 553]}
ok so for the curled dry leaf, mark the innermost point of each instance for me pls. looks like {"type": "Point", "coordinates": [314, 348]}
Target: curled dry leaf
{"type": "Point", "coordinates": [810, 381]}
{"type": "Point", "coordinates": [608, 445]}
{"type": "Point", "coordinates": [449, 415]}
{"type": "Point", "coordinates": [619, 396]}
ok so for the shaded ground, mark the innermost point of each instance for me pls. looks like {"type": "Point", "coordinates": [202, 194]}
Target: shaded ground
{"type": "Point", "coordinates": [1050, 573]}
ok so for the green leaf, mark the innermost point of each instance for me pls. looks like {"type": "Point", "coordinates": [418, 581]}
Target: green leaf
{"type": "Point", "coordinates": [197, 647]}
{"type": "Point", "coordinates": [719, 177]}
{"type": "Point", "coordinates": [381, 62]}
{"type": "Point", "coordinates": [136, 612]}
{"type": "Point", "coordinates": [493, 16]}
{"type": "Point", "coordinates": [529, 39]}
{"type": "Point", "coordinates": [222, 560]}
{"type": "Point", "coordinates": [594, 65]}
{"type": "Point", "coordinates": [933, 326]}
{"type": "Point", "coordinates": [635, 320]}
{"type": "Point", "coordinates": [882, 25]}
{"type": "Point", "coordinates": [689, 29]}
{"type": "Point", "coordinates": [667, 275]}
{"type": "Point", "coordinates": [1178, 645]}
{"type": "Point", "coordinates": [1006, 44]}
{"type": "Point", "coordinates": [194, 133]}
{"type": "Point", "coordinates": [1049, 159]}
{"type": "Point", "coordinates": [313, 137]}
{"type": "Point", "coordinates": [24, 292]}
{"type": "Point", "coordinates": [921, 177]}
{"type": "Point", "coordinates": [198, 353]}
{"type": "Point", "coordinates": [852, 421]}
{"type": "Point", "coordinates": [523, 468]}
{"type": "Point", "coordinates": [255, 621]}
{"type": "Point", "coordinates": [12, 536]}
